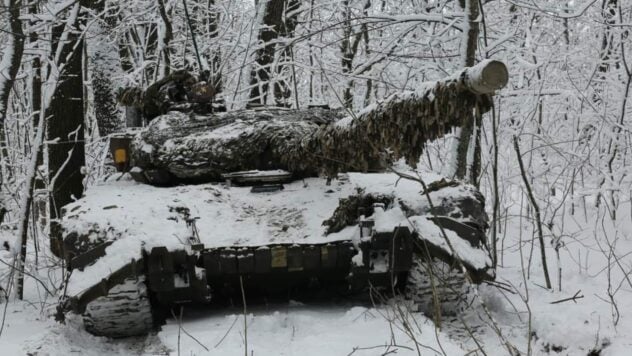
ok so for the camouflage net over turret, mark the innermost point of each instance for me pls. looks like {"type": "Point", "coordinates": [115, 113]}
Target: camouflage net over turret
{"type": "Point", "coordinates": [313, 141]}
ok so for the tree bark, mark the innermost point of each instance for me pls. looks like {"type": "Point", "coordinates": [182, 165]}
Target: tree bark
{"type": "Point", "coordinates": [349, 49]}
{"type": "Point", "coordinates": [469, 47]}
{"type": "Point", "coordinates": [609, 13]}
{"type": "Point", "coordinates": [215, 58]}
{"type": "Point", "coordinates": [166, 39]}
{"type": "Point", "coordinates": [276, 25]}
{"type": "Point", "coordinates": [9, 66]}
{"type": "Point", "coordinates": [104, 65]}
{"type": "Point", "coordinates": [66, 154]}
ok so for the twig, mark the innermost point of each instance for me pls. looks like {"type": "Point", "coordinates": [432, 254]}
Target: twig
{"type": "Point", "coordinates": [195, 46]}
{"type": "Point", "coordinates": [180, 328]}
{"type": "Point", "coordinates": [243, 299]}
{"type": "Point", "coordinates": [536, 209]}
{"type": "Point", "coordinates": [356, 348]}
{"type": "Point", "coordinates": [6, 303]}
{"type": "Point", "coordinates": [573, 298]}
{"type": "Point", "coordinates": [227, 332]}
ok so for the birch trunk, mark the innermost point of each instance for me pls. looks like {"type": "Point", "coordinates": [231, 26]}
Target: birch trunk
{"type": "Point", "coordinates": [9, 66]}
{"type": "Point", "coordinates": [467, 164]}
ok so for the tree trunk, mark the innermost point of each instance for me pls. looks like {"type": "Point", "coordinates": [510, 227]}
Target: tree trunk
{"type": "Point", "coordinates": [471, 127]}
{"type": "Point", "coordinates": [166, 38]}
{"type": "Point", "coordinates": [40, 200]}
{"type": "Point", "coordinates": [276, 25]}
{"type": "Point", "coordinates": [26, 203]}
{"type": "Point", "coordinates": [609, 13]}
{"type": "Point", "coordinates": [349, 49]}
{"type": "Point", "coordinates": [9, 66]}
{"type": "Point", "coordinates": [104, 65]}
{"type": "Point", "coordinates": [66, 125]}
{"type": "Point", "coordinates": [215, 57]}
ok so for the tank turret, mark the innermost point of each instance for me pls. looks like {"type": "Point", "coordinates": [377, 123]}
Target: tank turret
{"type": "Point", "coordinates": [188, 145]}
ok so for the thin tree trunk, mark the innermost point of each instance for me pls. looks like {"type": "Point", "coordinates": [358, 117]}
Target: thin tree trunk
{"type": "Point", "coordinates": [536, 209]}
{"type": "Point", "coordinates": [496, 190]}
{"type": "Point", "coordinates": [27, 201]}
{"type": "Point", "coordinates": [104, 66]}
{"type": "Point", "coordinates": [215, 56]}
{"type": "Point", "coordinates": [468, 56]}
{"type": "Point", "coordinates": [167, 37]}
{"type": "Point", "coordinates": [349, 50]}
{"type": "Point", "coordinates": [11, 60]}
{"type": "Point", "coordinates": [9, 66]}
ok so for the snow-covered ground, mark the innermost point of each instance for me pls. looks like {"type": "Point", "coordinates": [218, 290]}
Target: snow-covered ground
{"type": "Point", "coordinates": [303, 330]}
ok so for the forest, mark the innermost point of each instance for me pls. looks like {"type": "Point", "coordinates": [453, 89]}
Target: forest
{"type": "Point", "coordinates": [551, 153]}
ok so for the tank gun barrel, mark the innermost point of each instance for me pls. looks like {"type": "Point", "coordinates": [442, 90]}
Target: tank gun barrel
{"type": "Point", "coordinates": [485, 77]}
{"type": "Point", "coordinates": [404, 122]}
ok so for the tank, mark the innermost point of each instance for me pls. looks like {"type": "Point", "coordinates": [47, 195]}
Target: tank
{"type": "Point", "coordinates": [211, 208]}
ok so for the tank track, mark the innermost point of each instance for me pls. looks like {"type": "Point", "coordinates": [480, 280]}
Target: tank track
{"type": "Point", "coordinates": [432, 282]}
{"type": "Point", "coordinates": [124, 311]}
{"type": "Point", "coordinates": [461, 317]}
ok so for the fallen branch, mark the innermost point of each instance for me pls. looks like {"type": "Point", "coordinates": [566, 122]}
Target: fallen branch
{"type": "Point", "coordinates": [573, 298]}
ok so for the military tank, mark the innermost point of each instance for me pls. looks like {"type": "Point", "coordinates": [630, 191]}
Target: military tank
{"type": "Point", "coordinates": [217, 207]}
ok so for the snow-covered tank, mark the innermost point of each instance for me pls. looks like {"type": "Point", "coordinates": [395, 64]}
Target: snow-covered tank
{"type": "Point", "coordinates": [215, 207]}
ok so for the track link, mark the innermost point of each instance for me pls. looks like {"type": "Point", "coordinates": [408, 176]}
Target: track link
{"type": "Point", "coordinates": [124, 311]}
{"type": "Point", "coordinates": [434, 286]}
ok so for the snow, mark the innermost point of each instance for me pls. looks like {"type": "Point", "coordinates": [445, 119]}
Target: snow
{"type": "Point", "coordinates": [478, 258]}
{"type": "Point", "coordinates": [147, 215]}
{"type": "Point", "coordinates": [386, 220]}
{"type": "Point", "coordinates": [118, 254]}
{"type": "Point", "coordinates": [139, 216]}
{"type": "Point", "coordinates": [288, 329]}
{"type": "Point", "coordinates": [304, 331]}
{"type": "Point", "coordinates": [149, 212]}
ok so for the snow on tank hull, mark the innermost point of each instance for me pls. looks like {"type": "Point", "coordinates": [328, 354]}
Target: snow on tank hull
{"type": "Point", "coordinates": [204, 243]}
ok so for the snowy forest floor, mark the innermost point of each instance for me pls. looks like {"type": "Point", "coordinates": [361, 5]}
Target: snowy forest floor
{"type": "Point", "coordinates": [598, 322]}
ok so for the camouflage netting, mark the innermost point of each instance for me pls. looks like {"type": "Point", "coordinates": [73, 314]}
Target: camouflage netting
{"type": "Point", "coordinates": [309, 141]}
{"type": "Point", "coordinates": [202, 148]}
{"type": "Point", "coordinates": [178, 91]}
{"type": "Point", "coordinates": [401, 125]}
{"type": "Point", "coordinates": [350, 209]}
{"type": "Point", "coordinates": [466, 206]}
